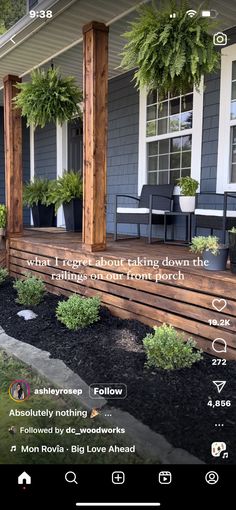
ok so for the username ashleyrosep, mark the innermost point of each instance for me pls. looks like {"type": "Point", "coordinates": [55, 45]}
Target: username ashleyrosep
{"type": "Point", "coordinates": [58, 391]}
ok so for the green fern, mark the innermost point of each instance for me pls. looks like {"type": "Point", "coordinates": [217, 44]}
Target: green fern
{"type": "Point", "coordinates": [38, 191]}
{"type": "Point", "coordinates": [48, 97]}
{"type": "Point", "coordinates": [67, 187]}
{"type": "Point", "coordinates": [170, 54]}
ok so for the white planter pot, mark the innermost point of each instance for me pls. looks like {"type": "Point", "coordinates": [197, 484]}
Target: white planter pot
{"type": "Point", "coordinates": [187, 204]}
{"type": "Point", "coordinates": [2, 232]}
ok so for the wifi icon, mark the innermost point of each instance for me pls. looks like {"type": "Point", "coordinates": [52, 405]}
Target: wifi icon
{"type": "Point", "coordinates": [191, 13]}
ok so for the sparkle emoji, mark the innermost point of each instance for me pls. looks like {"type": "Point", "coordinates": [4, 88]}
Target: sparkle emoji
{"type": "Point", "coordinates": [12, 430]}
{"type": "Point", "coordinates": [94, 413]}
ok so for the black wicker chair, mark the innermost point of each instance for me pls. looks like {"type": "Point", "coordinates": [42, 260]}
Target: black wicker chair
{"type": "Point", "coordinates": [152, 204]}
{"type": "Point", "coordinates": [215, 219]}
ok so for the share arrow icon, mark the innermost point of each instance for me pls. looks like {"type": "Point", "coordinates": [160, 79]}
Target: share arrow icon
{"type": "Point", "coordinates": [220, 385]}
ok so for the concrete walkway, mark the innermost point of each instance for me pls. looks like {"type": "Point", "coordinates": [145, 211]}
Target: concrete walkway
{"type": "Point", "coordinates": [149, 444]}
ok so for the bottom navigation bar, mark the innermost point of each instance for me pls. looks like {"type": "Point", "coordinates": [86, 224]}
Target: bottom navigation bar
{"type": "Point", "coordinates": [140, 505]}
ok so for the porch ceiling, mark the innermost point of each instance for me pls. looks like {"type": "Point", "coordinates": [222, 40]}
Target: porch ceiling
{"type": "Point", "coordinates": [60, 38]}
{"type": "Point", "coordinates": [38, 42]}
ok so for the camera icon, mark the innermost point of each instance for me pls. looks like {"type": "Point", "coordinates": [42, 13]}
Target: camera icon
{"type": "Point", "coordinates": [220, 39]}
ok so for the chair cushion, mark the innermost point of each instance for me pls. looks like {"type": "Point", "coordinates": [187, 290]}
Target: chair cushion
{"type": "Point", "coordinates": [138, 210]}
{"type": "Point", "coordinates": [214, 212]}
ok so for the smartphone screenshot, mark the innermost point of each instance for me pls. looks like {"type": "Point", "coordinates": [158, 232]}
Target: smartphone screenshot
{"type": "Point", "coordinates": [117, 253]}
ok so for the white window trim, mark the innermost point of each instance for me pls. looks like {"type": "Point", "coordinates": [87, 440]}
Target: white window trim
{"type": "Point", "coordinates": [32, 163]}
{"type": "Point", "coordinates": [195, 131]}
{"type": "Point", "coordinates": [62, 161]}
{"type": "Point", "coordinates": [228, 55]}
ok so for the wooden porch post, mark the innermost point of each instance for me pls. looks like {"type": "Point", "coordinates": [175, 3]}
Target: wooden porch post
{"type": "Point", "coordinates": [13, 158]}
{"type": "Point", "coordinates": [95, 135]}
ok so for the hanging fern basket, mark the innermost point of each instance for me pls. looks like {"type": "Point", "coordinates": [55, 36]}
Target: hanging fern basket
{"type": "Point", "coordinates": [170, 53]}
{"type": "Point", "coordinates": [48, 97]}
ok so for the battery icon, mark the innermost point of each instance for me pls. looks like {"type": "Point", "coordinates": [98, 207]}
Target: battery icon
{"type": "Point", "coordinates": [206, 14]}
{"type": "Point", "coordinates": [209, 14]}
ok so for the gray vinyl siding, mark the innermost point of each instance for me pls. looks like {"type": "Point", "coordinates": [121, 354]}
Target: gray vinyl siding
{"type": "Point", "coordinates": [210, 132]}
{"type": "Point", "coordinates": [123, 136]}
{"type": "Point", "coordinates": [210, 135]}
{"type": "Point", "coordinates": [2, 169]}
{"type": "Point", "coordinates": [45, 152]}
{"type": "Point", "coordinates": [123, 145]}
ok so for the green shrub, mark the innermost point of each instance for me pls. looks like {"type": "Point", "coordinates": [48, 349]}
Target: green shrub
{"type": "Point", "coordinates": [166, 349]}
{"type": "Point", "coordinates": [29, 291]}
{"type": "Point", "coordinates": [77, 312]}
{"type": "Point", "coordinates": [3, 216]}
{"type": "Point", "coordinates": [3, 275]}
{"type": "Point", "coordinates": [200, 244]}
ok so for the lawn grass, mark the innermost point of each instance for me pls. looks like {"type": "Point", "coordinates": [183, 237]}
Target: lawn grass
{"type": "Point", "coordinates": [10, 370]}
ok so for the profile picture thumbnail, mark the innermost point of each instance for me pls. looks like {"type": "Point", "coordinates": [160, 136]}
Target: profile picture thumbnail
{"type": "Point", "coordinates": [19, 390]}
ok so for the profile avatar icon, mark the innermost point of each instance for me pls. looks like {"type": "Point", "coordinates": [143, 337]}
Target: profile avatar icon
{"type": "Point", "coordinates": [19, 390]}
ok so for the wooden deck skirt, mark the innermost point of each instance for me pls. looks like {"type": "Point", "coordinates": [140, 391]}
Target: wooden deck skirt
{"type": "Point", "coordinates": [2, 258]}
{"type": "Point", "coordinates": [178, 295]}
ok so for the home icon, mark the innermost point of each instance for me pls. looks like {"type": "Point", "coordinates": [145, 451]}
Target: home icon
{"type": "Point", "coordinates": [24, 479]}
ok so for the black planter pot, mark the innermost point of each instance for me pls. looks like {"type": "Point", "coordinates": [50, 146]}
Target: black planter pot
{"type": "Point", "coordinates": [43, 215]}
{"type": "Point", "coordinates": [73, 212]}
{"type": "Point", "coordinates": [232, 251]}
{"type": "Point", "coordinates": [216, 262]}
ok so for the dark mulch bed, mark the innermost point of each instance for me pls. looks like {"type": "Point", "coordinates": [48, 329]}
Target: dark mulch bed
{"type": "Point", "coordinates": [171, 403]}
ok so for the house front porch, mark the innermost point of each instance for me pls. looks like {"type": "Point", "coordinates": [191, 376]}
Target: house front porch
{"type": "Point", "coordinates": [151, 283]}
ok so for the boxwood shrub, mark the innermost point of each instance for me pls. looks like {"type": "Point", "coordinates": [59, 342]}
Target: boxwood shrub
{"type": "Point", "coordinates": [3, 274]}
{"type": "Point", "coordinates": [29, 291]}
{"type": "Point", "coordinates": [167, 349]}
{"type": "Point", "coordinates": [78, 312]}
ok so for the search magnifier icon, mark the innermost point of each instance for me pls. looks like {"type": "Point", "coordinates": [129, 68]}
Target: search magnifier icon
{"type": "Point", "coordinates": [70, 477]}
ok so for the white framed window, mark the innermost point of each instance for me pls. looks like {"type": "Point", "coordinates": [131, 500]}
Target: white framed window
{"type": "Point", "coordinates": [170, 137]}
{"type": "Point", "coordinates": [226, 165]}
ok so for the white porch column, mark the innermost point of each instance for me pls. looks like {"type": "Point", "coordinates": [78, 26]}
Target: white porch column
{"type": "Point", "coordinates": [62, 161]}
{"type": "Point", "coordinates": [32, 162]}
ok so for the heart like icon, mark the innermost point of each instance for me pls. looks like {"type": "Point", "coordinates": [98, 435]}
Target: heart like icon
{"type": "Point", "coordinates": [219, 304]}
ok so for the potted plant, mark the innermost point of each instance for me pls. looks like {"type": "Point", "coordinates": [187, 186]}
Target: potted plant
{"type": "Point", "coordinates": [48, 97]}
{"type": "Point", "coordinates": [170, 53]}
{"type": "Point", "coordinates": [36, 194]}
{"type": "Point", "coordinates": [69, 192]}
{"type": "Point", "coordinates": [188, 188]}
{"type": "Point", "coordinates": [214, 254]}
{"type": "Point", "coordinates": [3, 221]}
{"type": "Point", "coordinates": [232, 249]}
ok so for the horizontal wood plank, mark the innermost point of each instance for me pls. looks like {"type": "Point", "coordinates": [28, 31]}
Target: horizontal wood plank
{"type": "Point", "coordinates": [157, 301]}
{"type": "Point", "coordinates": [149, 311]}
{"type": "Point", "coordinates": [206, 282]}
{"type": "Point", "coordinates": [167, 291]}
{"type": "Point", "coordinates": [186, 304]}
{"type": "Point", "coordinates": [2, 258]}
